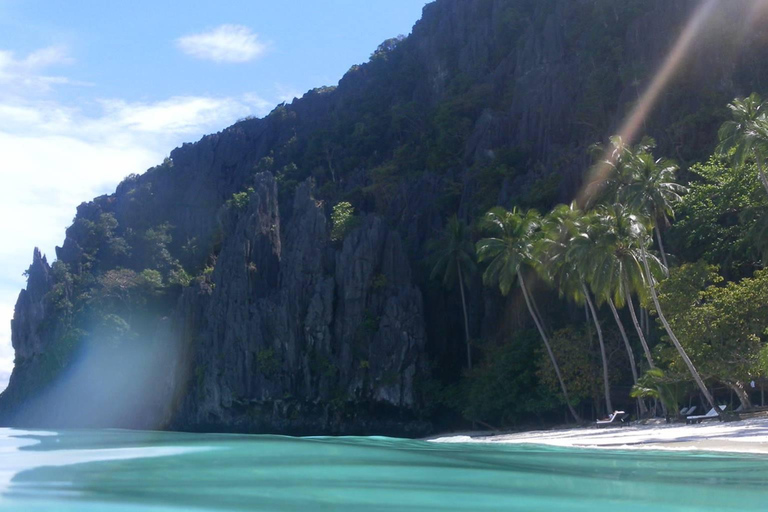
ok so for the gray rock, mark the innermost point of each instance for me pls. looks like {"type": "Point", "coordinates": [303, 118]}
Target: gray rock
{"type": "Point", "coordinates": [300, 330]}
{"type": "Point", "coordinates": [28, 338]}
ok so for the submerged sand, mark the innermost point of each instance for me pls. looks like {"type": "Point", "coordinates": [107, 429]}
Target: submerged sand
{"type": "Point", "coordinates": [747, 436]}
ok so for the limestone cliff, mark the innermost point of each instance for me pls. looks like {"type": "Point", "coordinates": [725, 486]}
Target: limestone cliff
{"type": "Point", "coordinates": [207, 293]}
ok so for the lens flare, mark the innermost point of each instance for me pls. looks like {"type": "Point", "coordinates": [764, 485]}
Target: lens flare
{"type": "Point", "coordinates": [630, 129]}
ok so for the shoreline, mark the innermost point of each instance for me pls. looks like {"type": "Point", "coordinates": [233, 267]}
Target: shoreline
{"type": "Point", "coordinates": [748, 436]}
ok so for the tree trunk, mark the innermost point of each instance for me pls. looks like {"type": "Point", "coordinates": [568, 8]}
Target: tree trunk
{"type": "Point", "coordinates": [539, 315]}
{"type": "Point", "coordinates": [630, 354]}
{"type": "Point", "coordinates": [606, 381]}
{"type": "Point", "coordinates": [675, 341]}
{"type": "Point", "coordinates": [661, 250]}
{"type": "Point", "coordinates": [646, 321]}
{"type": "Point", "coordinates": [741, 393]}
{"type": "Point", "coordinates": [639, 330]}
{"type": "Point", "coordinates": [528, 302]}
{"type": "Point", "coordinates": [466, 322]}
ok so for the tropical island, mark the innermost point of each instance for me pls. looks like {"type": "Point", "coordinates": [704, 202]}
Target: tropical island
{"type": "Point", "coordinates": [521, 215]}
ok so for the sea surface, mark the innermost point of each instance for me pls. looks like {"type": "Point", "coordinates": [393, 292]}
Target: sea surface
{"type": "Point", "coordinates": [113, 470]}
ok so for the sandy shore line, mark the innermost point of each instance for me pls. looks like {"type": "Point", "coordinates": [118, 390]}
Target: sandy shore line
{"type": "Point", "coordinates": [748, 436]}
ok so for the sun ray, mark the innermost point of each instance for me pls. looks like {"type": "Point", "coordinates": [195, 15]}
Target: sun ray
{"type": "Point", "coordinates": [631, 127]}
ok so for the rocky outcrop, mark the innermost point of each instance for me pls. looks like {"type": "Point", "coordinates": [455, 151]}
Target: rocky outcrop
{"type": "Point", "coordinates": [30, 341]}
{"type": "Point", "coordinates": [28, 338]}
{"type": "Point", "coordinates": [291, 333]}
{"type": "Point", "coordinates": [296, 335]}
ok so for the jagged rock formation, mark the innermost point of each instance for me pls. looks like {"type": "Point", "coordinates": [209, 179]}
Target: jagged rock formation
{"type": "Point", "coordinates": [290, 324]}
{"type": "Point", "coordinates": [30, 309]}
{"type": "Point", "coordinates": [282, 330]}
{"type": "Point", "coordinates": [291, 334]}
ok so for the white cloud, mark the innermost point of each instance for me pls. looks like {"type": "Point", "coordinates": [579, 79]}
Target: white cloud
{"type": "Point", "coordinates": [178, 115]}
{"type": "Point", "coordinates": [27, 74]}
{"type": "Point", "coordinates": [55, 157]}
{"type": "Point", "coordinates": [226, 43]}
{"type": "Point", "coordinates": [6, 351]}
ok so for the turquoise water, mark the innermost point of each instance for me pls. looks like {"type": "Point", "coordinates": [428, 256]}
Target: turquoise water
{"type": "Point", "coordinates": [114, 470]}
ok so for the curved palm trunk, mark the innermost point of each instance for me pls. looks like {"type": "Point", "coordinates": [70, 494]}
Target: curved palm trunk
{"type": "Point", "coordinates": [466, 322]}
{"type": "Point", "coordinates": [538, 314]}
{"type": "Point", "coordinates": [528, 302]}
{"type": "Point", "coordinates": [661, 250]}
{"type": "Point", "coordinates": [606, 381]}
{"type": "Point", "coordinates": [639, 330]}
{"type": "Point", "coordinates": [675, 341]}
{"type": "Point", "coordinates": [738, 388]}
{"type": "Point", "coordinates": [630, 354]}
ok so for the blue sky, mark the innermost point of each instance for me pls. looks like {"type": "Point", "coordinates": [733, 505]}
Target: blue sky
{"type": "Point", "coordinates": [91, 91]}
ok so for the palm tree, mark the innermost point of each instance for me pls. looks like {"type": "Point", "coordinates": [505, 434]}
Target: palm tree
{"type": "Point", "coordinates": [616, 272]}
{"type": "Point", "coordinates": [618, 176]}
{"type": "Point", "coordinates": [455, 259]}
{"type": "Point", "coordinates": [640, 181]}
{"type": "Point", "coordinates": [508, 250]}
{"type": "Point", "coordinates": [653, 192]}
{"type": "Point", "coordinates": [680, 350]}
{"type": "Point", "coordinates": [617, 267]}
{"type": "Point", "coordinates": [563, 251]}
{"type": "Point", "coordinates": [655, 384]}
{"type": "Point", "coordinates": [746, 134]}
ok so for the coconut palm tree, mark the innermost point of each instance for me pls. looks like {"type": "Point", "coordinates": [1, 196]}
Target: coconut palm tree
{"type": "Point", "coordinates": [617, 176]}
{"type": "Point", "coordinates": [636, 179]}
{"type": "Point", "coordinates": [653, 192]}
{"type": "Point", "coordinates": [617, 267]}
{"type": "Point", "coordinates": [562, 251]}
{"type": "Point", "coordinates": [651, 280]}
{"type": "Point", "coordinates": [746, 134]}
{"type": "Point", "coordinates": [455, 261]}
{"type": "Point", "coordinates": [509, 250]}
{"type": "Point", "coordinates": [616, 271]}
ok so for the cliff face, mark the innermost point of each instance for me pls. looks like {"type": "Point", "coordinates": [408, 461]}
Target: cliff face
{"type": "Point", "coordinates": [207, 293]}
{"type": "Point", "coordinates": [290, 325]}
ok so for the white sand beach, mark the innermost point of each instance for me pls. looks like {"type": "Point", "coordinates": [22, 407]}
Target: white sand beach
{"type": "Point", "coordinates": [747, 436]}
